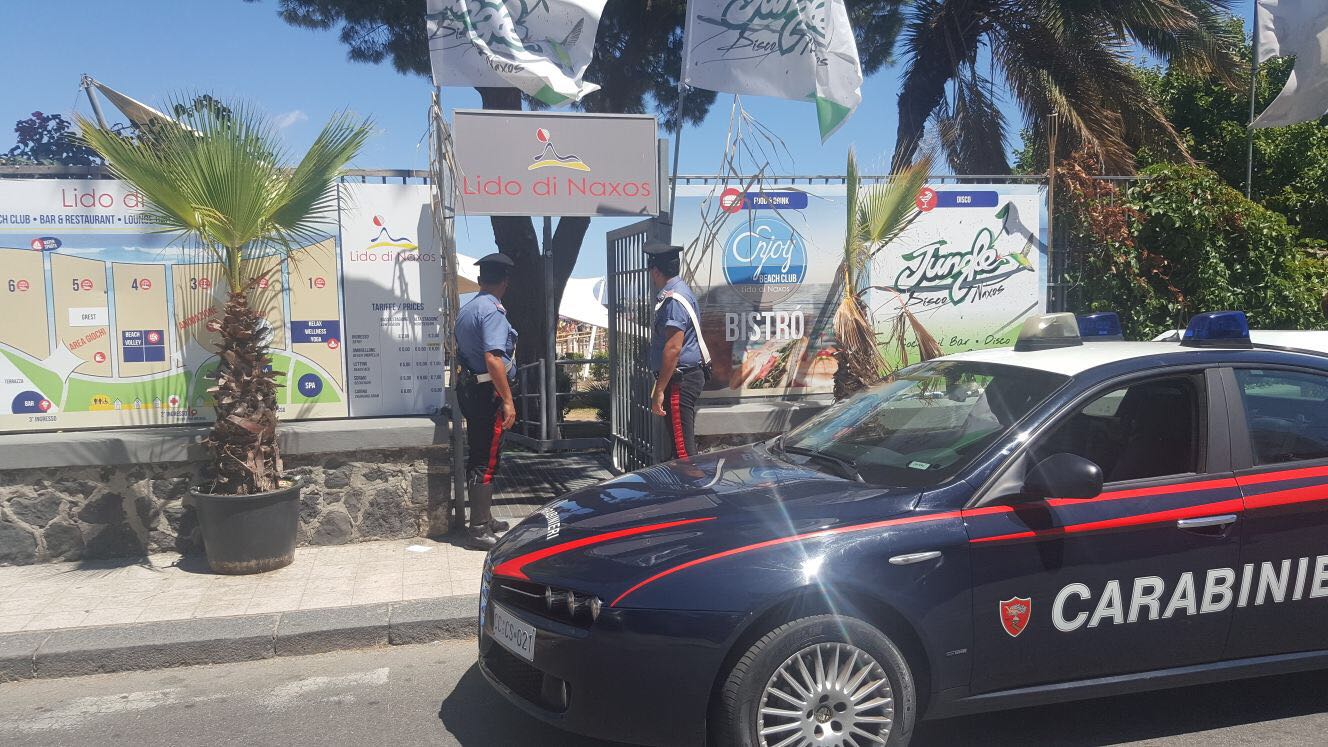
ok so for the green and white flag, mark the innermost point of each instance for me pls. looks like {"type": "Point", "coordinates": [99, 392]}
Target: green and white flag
{"type": "Point", "coordinates": [539, 46]}
{"type": "Point", "coordinates": [790, 49]}
{"type": "Point", "coordinates": [1299, 28]}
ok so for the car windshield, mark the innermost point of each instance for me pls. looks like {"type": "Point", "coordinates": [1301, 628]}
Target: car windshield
{"type": "Point", "coordinates": [923, 425]}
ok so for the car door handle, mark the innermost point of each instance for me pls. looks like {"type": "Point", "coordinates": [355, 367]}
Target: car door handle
{"type": "Point", "coordinates": [1207, 522]}
{"type": "Point", "coordinates": [915, 557]}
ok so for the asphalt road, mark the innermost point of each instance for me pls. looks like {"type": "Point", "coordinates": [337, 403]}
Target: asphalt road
{"type": "Point", "coordinates": [412, 695]}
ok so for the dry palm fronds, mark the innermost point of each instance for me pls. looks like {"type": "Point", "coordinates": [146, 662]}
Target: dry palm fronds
{"type": "Point", "coordinates": [906, 323]}
{"type": "Point", "coordinates": [750, 148]}
{"type": "Point", "coordinates": [860, 361]}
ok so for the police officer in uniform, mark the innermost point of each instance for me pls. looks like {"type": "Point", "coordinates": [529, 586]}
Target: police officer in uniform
{"type": "Point", "coordinates": [676, 348]}
{"type": "Point", "coordinates": [485, 346]}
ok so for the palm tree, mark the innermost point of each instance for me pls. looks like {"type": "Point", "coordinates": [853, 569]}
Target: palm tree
{"type": "Point", "coordinates": [877, 215]}
{"type": "Point", "coordinates": [219, 181]}
{"type": "Point", "coordinates": [1066, 57]}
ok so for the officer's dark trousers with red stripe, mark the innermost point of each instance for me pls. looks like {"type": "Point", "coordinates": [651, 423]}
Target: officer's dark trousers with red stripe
{"type": "Point", "coordinates": [680, 398]}
{"type": "Point", "coordinates": [484, 435]}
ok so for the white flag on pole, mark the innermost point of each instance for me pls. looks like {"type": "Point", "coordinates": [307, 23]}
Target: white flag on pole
{"type": "Point", "coordinates": [539, 46]}
{"type": "Point", "coordinates": [1300, 28]}
{"type": "Point", "coordinates": [790, 49]}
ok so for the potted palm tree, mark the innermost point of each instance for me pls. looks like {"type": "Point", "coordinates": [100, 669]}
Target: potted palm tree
{"type": "Point", "coordinates": [877, 215]}
{"type": "Point", "coordinates": [220, 182]}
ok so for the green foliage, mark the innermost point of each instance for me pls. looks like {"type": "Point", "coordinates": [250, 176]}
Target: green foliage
{"type": "Point", "coordinates": [597, 399]}
{"type": "Point", "coordinates": [562, 382]}
{"type": "Point", "coordinates": [877, 215]}
{"type": "Point", "coordinates": [1290, 163]}
{"type": "Point", "coordinates": [1062, 57]}
{"type": "Point", "coordinates": [46, 139]}
{"type": "Point", "coordinates": [1198, 245]}
{"type": "Point", "coordinates": [222, 182]}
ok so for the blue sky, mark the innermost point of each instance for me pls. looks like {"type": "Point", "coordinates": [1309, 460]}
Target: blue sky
{"type": "Point", "coordinates": [150, 49]}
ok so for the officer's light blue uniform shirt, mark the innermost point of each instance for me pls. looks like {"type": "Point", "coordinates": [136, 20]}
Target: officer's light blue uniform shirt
{"type": "Point", "coordinates": [674, 315]}
{"type": "Point", "coordinates": [481, 327]}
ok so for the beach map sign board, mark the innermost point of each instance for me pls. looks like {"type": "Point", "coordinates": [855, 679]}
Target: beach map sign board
{"type": "Point", "coordinates": [765, 266]}
{"type": "Point", "coordinates": [537, 163]}
{"type": "Point", "coordinates": [104, 323]}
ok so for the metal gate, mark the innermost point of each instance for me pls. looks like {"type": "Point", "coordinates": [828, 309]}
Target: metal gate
{"type": "Point", "coordinates": [636, 435]}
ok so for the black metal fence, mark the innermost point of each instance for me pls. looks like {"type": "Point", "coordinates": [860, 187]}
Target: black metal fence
{"type": "Point", "coordinates": [534, 430]}
{"type": "Point", "coordinates": [635, 435]}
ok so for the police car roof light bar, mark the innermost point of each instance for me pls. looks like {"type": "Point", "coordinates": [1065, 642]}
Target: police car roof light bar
{"type": "Point", "coordinates": [1047, 331]}
{"type": "Point", "coordinates": [1100, 326]}
{"type": "Point", "coordinates": [1218, 329]}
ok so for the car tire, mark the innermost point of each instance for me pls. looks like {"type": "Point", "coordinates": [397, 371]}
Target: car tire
{"type": "Point", "coordinates": [828, 712]}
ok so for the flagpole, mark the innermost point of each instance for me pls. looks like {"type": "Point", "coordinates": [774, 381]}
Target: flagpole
{"type": "Point", "coordinates": [1249, 134]}
{"type": "Point", "coordinates": [683, 89]}
{"type": "Point", "coordinates": [447, 246]}
{"type": "Point", "coordinates": [92, 99]}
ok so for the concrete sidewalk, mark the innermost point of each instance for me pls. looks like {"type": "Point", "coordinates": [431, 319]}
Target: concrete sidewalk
{"type": "Point", "coordinates": [79, 618]}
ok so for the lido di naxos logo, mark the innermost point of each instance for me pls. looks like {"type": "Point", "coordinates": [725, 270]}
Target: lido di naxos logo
{"type": "Point", "coordinates": [385, 240]}
{"type": "Point", "coordinates": [549, 155]}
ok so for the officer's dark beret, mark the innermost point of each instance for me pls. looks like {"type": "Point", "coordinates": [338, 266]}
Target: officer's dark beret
{"type": "Point", "coordinates": [496, 260]}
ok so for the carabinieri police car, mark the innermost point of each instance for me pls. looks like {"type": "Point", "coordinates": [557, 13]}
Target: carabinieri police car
{"type": "Point", "coordinates": [1065, 519]}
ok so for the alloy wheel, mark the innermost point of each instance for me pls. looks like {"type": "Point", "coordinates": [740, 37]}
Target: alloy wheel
{"type": "Point", "coordinates": [827, 695]}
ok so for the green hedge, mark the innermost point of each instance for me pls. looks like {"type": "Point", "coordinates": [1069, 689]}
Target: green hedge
{"type": "Point", "coordinates": [1199, 245]}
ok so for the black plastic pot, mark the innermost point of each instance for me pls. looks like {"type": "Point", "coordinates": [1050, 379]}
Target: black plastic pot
{"type": "Point", "coordinates": [245, 534]}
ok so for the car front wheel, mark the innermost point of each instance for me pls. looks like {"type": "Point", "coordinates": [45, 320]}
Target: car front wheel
{"type": "Point", "coordinates": [823, 681]}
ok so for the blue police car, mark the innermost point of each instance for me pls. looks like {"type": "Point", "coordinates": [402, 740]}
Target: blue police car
{"type": "Point", "coordinates": [1065, 519]}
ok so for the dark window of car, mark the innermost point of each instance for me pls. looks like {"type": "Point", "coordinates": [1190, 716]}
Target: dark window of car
{"type": "Point", "coordinates": [1150, 429]}
{"type": "Point", "coordinates": [1287, 415]}
{"type": "Point", "coordinates": [925, 424]}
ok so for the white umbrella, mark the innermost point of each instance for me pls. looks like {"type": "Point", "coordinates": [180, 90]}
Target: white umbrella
{"type": "Point", "coordinates": [468, 274]}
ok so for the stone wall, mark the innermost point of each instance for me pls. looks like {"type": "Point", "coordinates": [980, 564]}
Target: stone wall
{"type": "Point", "coordinates": [129, 510]}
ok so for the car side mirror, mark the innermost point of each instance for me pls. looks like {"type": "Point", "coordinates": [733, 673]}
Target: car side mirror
{"type": "Point", "coordinates": [1063, 475]}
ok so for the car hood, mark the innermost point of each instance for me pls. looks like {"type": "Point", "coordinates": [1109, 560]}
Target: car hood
{"type": "Point", "coordinates": [618, 531]}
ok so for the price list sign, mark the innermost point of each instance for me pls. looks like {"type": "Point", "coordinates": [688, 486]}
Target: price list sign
{"type": "Point", "coordinates": [393, 300]}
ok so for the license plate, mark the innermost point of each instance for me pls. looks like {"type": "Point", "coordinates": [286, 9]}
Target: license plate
{"type": "Point", "coordinates": [514, 635]}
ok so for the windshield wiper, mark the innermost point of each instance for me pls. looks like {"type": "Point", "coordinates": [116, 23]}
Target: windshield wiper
{"type": "Point", "coordinates": [845, 467]}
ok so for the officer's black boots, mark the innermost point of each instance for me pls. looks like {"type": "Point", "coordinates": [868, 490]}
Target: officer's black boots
{"type": "Point", "coordinates": [480, 534]}
{"type": "Point", "coordinates": [498, 525]}
{"type": "Point", "coordinates": [480, 538]}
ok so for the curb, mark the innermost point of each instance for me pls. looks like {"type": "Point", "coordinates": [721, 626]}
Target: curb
{"type": "Point", "coordinates": [73, 652]}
